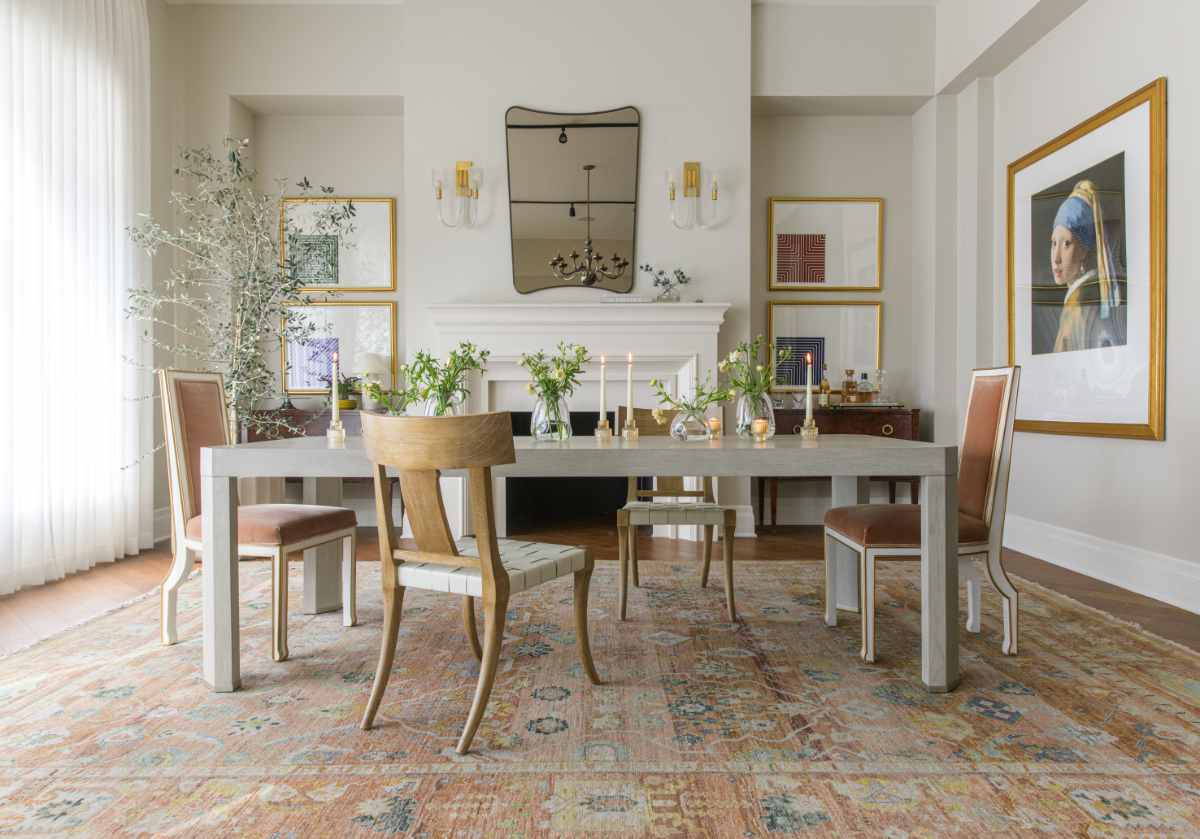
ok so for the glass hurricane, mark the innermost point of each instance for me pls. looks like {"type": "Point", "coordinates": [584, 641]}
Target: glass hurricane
{"type": "Point", "coordinates": [690, 427]}
{"type": "Point", "coordinates": [751, 407]}
{"type": "Point", "coordinates": [436, 407]}
{"type": "Point", "coordinates": [551, 420]}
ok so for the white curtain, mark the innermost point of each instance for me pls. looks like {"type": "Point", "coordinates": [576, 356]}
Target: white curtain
{"type": "Point", "coordinates": [74, 164]}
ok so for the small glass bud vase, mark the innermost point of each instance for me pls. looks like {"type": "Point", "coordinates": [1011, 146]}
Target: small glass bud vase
{"type": "Point", "coordinates": [551, 421]}
{"type": "Point", "coordinates": [751, 407]}
{"type": "Point", "coordinates": [690, 427]}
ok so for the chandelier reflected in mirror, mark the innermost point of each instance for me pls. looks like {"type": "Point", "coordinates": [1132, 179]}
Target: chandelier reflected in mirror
{"type": "Point", "coordinates": [588, 268]}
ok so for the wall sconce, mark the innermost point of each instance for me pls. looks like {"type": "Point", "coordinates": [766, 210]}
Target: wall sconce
{"type": "Point", "coordinates": [464, 207]}
{"type": "Point", "coordinates": [690, 216]}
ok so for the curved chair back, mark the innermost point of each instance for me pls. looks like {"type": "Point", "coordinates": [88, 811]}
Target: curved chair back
{"type": "Point", "coordinates": [986, 448]}
{"type": "Point", "coordinates": [419, 448]}
{"type": "Point", "coordinates": [194, 416]}
{"type": "Point", "coordinates": [664, 485]}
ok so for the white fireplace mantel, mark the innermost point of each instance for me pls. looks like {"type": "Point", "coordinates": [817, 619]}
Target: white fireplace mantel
{"type": "Point", "coordinates": [673, 342]}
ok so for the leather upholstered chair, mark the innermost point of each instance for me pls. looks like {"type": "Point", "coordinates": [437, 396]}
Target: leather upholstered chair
{"type": "Point", "coordinates": [642, 508]}
{"type": "Point", "coordinates": [484, 568]}
{"type": "Point", "coordinates": [194, 416]}
{"type": "Point", "coordinates": [893, 531]}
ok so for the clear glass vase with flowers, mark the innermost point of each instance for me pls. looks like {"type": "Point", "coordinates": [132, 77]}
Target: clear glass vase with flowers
{"type": "Point", "coordinates": [689, 423]}
{"type": "Point", "coordinates": [553, 378]}
{"type": "Point", "coordinates": [443, 384]}
{"type": "Point", "coordinates": [751, 377]}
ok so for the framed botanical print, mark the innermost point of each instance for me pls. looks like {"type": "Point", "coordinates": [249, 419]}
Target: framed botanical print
{"type": "Point", "coordinates": [1087, 274]}
{"type": "Point", "coordinates": [824, 244]}
{"type": "Point", "coordinates": [361, 259]}
{"type": "Point", "coordinates": [359, 331]}
{"type": "Point", "coordinates": [841, 335]}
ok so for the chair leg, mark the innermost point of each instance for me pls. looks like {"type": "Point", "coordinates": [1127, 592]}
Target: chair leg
{"type": "Point", "coordinates": [762, 510]}
{"type": "Point", "coordinates": [914, 491]}
{"type": "Point", "coordinates": [831, 569]}
{"type": "Point", "coordinates": [1012, 599]}
{"type": "Point", "coordinates": [468, 607]}
{"type": "Point", "coordinates": [493, 635]}
{"type": "Point", "coordinates": [623, 571]}
{"type": "Point", "coordinates": [633, 554]}
{"type": "Point", "coordinates": [867, 604]}
{"type": "Point", "coordinates": [891, 492]}
{"type": "Point", "coordinates": [279, 605]}
{"type": "Point", "coordinates": [393, 605]}
{"type": "Point", "coordinates": [969, 573]}
{"type": "Point", "coordinates": [583, 580]}
{"type": "Point", "coordinates": [350, 580]}
{"type": "Point", "coordinates": [774, 502]}
{"type": "Point", "coordinates": [708, 540]}
{"type": "Point", "coordinates": [181, 566]}
{"type": "Point", "coordinates": [727, 545]}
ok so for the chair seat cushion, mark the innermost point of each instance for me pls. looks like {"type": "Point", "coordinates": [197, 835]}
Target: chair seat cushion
{"type": "Point", "coordinates": [675, 512]}
{"type": "Point", "coordinates": [282, 524]}
{"type": "Point", "coordinates": [894, 525]}
{"type": "Point", "coordinates": [528, 564]}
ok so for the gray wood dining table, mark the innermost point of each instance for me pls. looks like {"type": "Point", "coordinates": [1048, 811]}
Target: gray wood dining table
{"type": "Point", "coordinates": [847, 459]}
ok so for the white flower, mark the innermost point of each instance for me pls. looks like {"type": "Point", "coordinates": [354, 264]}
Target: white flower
{"type": "Point", "coordinates": [529, 387]}
{"type": "Point", "coordinates": [758, 367]}
{"type": "Point", "coordinates": [733, 357]}
{"type": "Point", "coordinates": [723, 366]}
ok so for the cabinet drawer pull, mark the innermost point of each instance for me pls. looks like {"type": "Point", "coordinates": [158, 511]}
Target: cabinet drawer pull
{"type": "Point", "coordinates": [796, 429]}
{"type": "Point", "coordinates": [888, 429]}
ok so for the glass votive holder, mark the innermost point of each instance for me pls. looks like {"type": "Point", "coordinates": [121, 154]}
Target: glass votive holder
{"type": "Point", "coordinates": [759, 428]}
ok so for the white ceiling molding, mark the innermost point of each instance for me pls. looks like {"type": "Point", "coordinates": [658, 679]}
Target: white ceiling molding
{"type": "Point", "coordinates": [810, 106]}
{"type": "Point", "coordinates": [285, 2]}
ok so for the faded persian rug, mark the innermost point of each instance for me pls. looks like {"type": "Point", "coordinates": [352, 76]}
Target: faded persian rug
{"type": "Point", "coordinates": [770, 726]}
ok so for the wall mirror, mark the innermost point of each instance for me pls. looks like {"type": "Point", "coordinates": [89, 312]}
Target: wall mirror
{"type": "Point", "coordinates": [572, 189]}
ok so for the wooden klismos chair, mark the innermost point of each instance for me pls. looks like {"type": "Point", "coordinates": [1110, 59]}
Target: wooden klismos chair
{"type": "Point", "coordinates": [485, 567]}
{"type": "Point", "coordinates": [194, 417]}
{"type": "Point", "coordinates": [703, 512]}
{"type": "Point", "coordinates": [893, 531]}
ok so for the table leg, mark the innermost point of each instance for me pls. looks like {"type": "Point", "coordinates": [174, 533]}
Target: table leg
{"type": "Point", "coordinates": [219, 583]}
{"type": "Point", "coordinates": [847, 491]}
{"type": "Point", "coordinates": [939, 582]}
{"type": "Point", "coordinates": [323, 565]}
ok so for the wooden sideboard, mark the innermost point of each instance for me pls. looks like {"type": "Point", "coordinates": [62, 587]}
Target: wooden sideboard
{"type": "Point", "coordinates": [904, 423]}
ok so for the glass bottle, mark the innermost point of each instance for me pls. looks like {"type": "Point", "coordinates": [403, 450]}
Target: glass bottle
{"type": "Point", "coordinates": [825, 388]}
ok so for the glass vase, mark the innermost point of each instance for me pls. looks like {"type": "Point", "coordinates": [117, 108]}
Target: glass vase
{"type": "Point", "coordinates": [551, 420]}
{"type": "Point", "coordinates": [751, 407]}
{"type": "Point", "coordinates": [690, 427]}
{"type": "Point", "coordinates": [436, 408]}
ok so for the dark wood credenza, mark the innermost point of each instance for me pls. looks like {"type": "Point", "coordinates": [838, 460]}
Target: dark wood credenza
{"type": "Point", "coordinates": [904, 423]}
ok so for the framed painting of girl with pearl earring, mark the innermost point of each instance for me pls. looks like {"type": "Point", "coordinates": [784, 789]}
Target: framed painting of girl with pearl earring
{"type": "Point", "coordinates": [1087, 274]}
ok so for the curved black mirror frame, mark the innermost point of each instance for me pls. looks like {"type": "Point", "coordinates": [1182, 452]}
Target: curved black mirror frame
{"type": "Point", "coordinates": [624, 284]}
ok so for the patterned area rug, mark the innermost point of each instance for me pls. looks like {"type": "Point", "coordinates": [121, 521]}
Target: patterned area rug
{"type": "Point", "coordinates": [704, 728]}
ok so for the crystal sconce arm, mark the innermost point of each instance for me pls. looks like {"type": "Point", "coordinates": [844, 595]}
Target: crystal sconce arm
{"type": "Point", "coordinates": [690, 216]}
{"type": "Point", "coordinates": [464, 206]}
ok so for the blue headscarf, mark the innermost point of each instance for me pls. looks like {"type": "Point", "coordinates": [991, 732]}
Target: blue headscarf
{"type": "Point", "coordinates": [1075, 214]}
{"type": "Point", "coordinates": [1081, 214]}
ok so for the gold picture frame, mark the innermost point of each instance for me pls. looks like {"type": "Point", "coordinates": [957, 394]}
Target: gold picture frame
{"type": "Point", "coordinates": [773, 338]}
{"type": "Point", "coordinates": [1154, 428]}
{"type": "Point", "coordinates": [388, 277]}
{"type": "Point", "coordinates": [772, 272]}
{"type": "Point", "coordinates": [348, 364]}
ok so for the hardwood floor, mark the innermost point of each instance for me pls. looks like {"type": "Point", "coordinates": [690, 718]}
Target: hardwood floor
{"type": "Point", "coordinates": [30, 615]}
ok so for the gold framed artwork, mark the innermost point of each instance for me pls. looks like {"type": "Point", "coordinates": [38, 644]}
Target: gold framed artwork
{"type": "Point", "coordinates": [362, 332]}
{"type": "Point", "coordinates": [824, 244]}
{"type": "Point", "coordinates": [1087, 274]}
{"type": "Point", "coordinates": [364, 260]}
{"type": "Point", "coordinates": [841, 335]}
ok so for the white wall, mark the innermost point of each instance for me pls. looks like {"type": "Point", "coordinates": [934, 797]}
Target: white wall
{"type": "Point", "coordinates": [1116, 508]}
{"type": "Point", "coordinates": [840, 50]}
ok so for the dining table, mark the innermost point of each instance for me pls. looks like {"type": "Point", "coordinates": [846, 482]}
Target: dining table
{"type": "Point", "coordinates": [848, 459]}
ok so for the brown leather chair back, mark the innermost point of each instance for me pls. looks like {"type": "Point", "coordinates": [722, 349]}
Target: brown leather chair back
{"type": "Point", "coordinates": [986, 432]}
{"type": "Point", "coordinates": [194, 416]}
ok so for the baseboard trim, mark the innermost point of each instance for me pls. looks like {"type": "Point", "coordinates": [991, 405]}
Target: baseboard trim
{"type": "Point", "coordinates": [162, 524]}
{"type": "Point", "coordinates": [1162, 577]}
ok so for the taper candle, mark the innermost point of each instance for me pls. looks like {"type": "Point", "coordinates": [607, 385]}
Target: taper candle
{"type": "Point", "coordinates": [629, 389]}
{"type": "Point", "coordinates": [603, 380]}
{"type": "Point", "coordinates": [333, 390]}
{"type": "Point", "coordinates": [808, 417]}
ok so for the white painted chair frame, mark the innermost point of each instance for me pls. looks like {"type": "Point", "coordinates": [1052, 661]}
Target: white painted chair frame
{"type": "Point", "coordinates": [182, 548]}
{"type": "Point", "coordinates": [991, 550]}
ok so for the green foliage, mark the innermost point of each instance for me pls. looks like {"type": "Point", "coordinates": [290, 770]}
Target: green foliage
{"type": "Point", "coordinates": [445, 382]}
{"type": "Point", "coordinates": [555, 377]}
{"type": "Point", "coordinates": [225, 300]}
{"type": "Point", "coordinates": [394, 402]}
{"type": "Point", "coordinates": [747, 372]}
{"type": "Point", "coordinates": [704, 395]}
